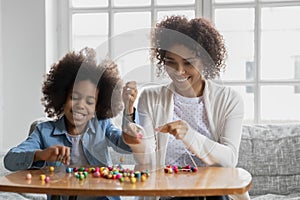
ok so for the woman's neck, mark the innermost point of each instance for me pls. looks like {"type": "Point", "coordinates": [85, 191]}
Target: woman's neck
{"type": "Point", "coordinates": [193, 91]}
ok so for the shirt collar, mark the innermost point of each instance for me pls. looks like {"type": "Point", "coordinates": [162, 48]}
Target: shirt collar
{"type": "Point", "coordinates": [60, 127]}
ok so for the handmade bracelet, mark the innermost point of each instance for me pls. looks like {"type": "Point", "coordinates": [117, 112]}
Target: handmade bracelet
{"type": "Point", "coordinates": [170, 169]}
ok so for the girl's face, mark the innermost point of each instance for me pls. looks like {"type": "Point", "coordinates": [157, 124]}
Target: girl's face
{"type": "Point", "coordinates": [80, 106]}
{"type": "Point", "coordinates": [184, 67]}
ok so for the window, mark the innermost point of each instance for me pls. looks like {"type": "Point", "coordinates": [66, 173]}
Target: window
{"type": "Point", "coordinates": [122, 30]}
{"type": "Point", "coordinates": [262, 38]}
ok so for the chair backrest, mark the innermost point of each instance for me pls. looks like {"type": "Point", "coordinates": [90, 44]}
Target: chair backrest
{"type": "Point", "coordinates": [35, 123]}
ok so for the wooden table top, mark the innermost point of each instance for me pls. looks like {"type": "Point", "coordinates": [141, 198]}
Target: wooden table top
{"type": "Point", "coordinates": [207, 181]}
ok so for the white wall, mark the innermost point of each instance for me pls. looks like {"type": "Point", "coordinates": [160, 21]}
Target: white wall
{"type": "Point", "coordinates": [22, 68]}
{"type": "Point", "coordinates": [1, 79]}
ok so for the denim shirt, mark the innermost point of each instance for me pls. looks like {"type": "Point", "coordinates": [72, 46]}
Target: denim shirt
{"type": "Point", "coordinates": [99, 135]}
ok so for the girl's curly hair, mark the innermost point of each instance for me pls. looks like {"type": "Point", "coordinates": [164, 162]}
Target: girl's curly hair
{"type": "Point", "coordinates": [74, 67]}
{"type": "Point", "coordinates": [204, 39]}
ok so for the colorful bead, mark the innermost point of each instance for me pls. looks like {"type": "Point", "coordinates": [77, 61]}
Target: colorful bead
{"type": "Point", "coordinates": [96, 174]}
{"type": "Point", "coordinates": [51, 169]}
{"type": "Point", "coordinates": [69, 169]}
{"type": "Point", "coordinates": [140, 136]}
{"type": "Point", "coordinates": [133, 180]}
{"type": "Point", "coordinates": [42, 177]}
{"type": "Point", "coordinates": [28, 176]}
{"type": "Point", "coordinates": [47, 179]}
{"type": "Point", "coordinates": [144, 177]}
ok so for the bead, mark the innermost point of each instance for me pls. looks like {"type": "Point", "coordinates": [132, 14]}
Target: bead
{"type": "Point", "coordinates": [166, 170]}
{"type": "Point", "coordinates": [47, 179]}
{"type": "Point", "coordinates": [133, 180]}
{"type": "Point", "coordinates": [140, 136]}
{"type": "Point", "coordinates": [194, 169]}
{"type": "Point", "coordinates": [81, 177]}
{"type": "Point", "coordinates": [69, 169]}
{"type": "Point", "coordinates": [96, 174]}
{"type": "Point", "coordinates": [138, 174]}
{"type": "Point", "coordinates": [143, 177]}
{"type": "Point", "coordinates": [81, 169]}
{"type": "Point", "coordinates": [51, 169]}
{"type": "Point", "coordinates": [118, 176]}
{"type": "Point", "coordinates": [28, 176]}
{"type": "Point", "coordinates": [42, 177]}
{"type": "Point", "coordinates": [91, 170]}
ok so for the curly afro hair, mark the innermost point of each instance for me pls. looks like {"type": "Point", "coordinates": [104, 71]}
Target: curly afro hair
{"type": "Point", "coordinates": [203, 39]}
{"type": "Point", "coordinates": [81, 66]}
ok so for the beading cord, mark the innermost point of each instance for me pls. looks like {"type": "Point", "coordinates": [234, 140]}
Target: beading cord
{"type": "Point", "coordinates": [193, 161]}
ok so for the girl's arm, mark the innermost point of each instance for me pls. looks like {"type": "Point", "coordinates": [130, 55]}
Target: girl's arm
{"type": "Point", "coordinates": [21, 157]}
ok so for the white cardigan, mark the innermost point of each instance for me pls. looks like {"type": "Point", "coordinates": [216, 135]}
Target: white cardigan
{"type": "Point", "coordinates": [225, 111]}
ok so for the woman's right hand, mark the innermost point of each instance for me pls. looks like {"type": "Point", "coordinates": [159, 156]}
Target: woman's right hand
{"type": "Point", "coordinates": [55, 153]}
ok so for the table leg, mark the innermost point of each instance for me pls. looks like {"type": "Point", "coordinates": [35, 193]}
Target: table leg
{"type": "Point", "coordinates": [72, 197]}
{"type": "Point", "coordinates": [55, 197]}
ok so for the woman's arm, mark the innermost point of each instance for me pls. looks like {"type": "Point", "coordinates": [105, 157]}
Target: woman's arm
{"type": "Point", "coordinates": [224, 151]}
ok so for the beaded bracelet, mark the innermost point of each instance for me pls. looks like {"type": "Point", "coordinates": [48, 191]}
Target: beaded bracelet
{"type": "Point", "coordinates": [170, 169]}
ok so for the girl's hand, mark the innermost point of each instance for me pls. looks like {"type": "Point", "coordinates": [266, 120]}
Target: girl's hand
{"type": "Point", "coordinates": [132, 134]}
{"type": "Point", "coordinates": [129, 96]}
{"type": "Point", "coordinates": [53, 154]}
{"type": "Point", "coordinates": [177, 128]}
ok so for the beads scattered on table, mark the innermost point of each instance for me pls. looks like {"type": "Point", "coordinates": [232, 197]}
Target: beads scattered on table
{"type": "Point", "coordinates": [118, 173]}
{"type": "Point", "coordinates": [170, 169]}
{"type": "Point", "coordinates": [44, 178]}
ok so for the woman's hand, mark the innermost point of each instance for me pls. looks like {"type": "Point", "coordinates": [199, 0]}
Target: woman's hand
{"type": "Point", "coordinates": [129, 96]}
{"type": "Point", "coordinates": [132, 134]}
{"type": "Point", "coordinates": [53, 154]}
{"type": "Point", "coordinates": [177, 128]}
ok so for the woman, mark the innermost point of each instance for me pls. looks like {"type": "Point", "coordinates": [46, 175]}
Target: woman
{"type": "Point", "coordinates": [192, 120]}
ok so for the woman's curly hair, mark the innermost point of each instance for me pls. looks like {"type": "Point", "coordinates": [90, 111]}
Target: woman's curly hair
{"type": "Point", "coordinates": [74, 67]}
{"type": "Point", "coordinates": [202, 37]}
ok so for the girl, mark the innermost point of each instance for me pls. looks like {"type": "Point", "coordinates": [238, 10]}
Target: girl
{"type": "Point", "coordinates": [81, 97]}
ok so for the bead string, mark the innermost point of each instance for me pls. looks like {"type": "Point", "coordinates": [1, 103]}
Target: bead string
{"type": "Point", "coordinates": [170, 169]}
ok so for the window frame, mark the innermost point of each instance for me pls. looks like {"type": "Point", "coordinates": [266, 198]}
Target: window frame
{"type": "Point", "coordinates": [257, 83]}
{"type": "Point", "coordinates": [202, 8]}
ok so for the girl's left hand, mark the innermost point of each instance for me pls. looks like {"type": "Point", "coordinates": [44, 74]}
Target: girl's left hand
{"type": "Point", "coordinates": [177, 128]}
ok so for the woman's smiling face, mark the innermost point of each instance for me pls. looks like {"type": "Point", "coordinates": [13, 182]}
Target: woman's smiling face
{"type": "Point", "coordinates": [184, 67]}
{"type": "Point", "coordinates": [80, 106]}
